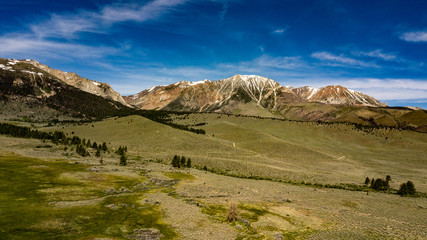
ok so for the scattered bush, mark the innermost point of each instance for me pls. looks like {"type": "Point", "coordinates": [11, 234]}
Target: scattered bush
{"type": "Point", "coordinates": [407, 188]}
{"type": "Point", "coordinates": [232, 213]}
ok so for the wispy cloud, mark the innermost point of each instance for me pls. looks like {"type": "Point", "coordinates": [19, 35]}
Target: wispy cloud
{"type": "Point", "coordinates": [225, 6]}
{"type": "Point", "coordinates": [378, 53]}
{"type": "Point", "coordinates": [341, 60]}
{"type": "Point", "coordinates": [280, 31]}
{"type": "Point", "coordinates": [28, 46]}
{"type": "Point", "coordinates": [59, 34]}
{"type": "Point", "coordinates": [68, 25]}
{"type": "Point", "coordinates": [152, 10]}
{"type": "Point", "coordinates": [418, 36]}
{"type": "Point", "coordinates": [279, 62]}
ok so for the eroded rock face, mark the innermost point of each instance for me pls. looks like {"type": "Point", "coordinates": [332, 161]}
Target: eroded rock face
{"type": "Point", "coordinates": [101, 89]}
{"type": "Point", "coordinates": [221, 95]}
{"type": "Point", "coordinates": [208, 96]}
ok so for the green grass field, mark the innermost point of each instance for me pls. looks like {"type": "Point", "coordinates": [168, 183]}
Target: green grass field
{"type": "Point", "coordinates": [60, 200]}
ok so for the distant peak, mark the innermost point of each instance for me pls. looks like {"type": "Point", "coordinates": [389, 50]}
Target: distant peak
{"type": "Point", "coordinates": [248, 77]}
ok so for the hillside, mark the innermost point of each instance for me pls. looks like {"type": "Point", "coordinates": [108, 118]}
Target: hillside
{"type": "Point", "coordinates": [98, 88]}
{"type": "Point", "coordinates": [297, 151]}
{"type": "Point", "coordinates": [30, 93]}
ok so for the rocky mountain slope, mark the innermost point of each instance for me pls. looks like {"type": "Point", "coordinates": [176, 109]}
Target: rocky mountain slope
{"type": "Point", "coordinates": [100, 89]}
{"type": "Point", "coordinates": [209, 96]}
{"type": "Point", "coordinates": [205, 96]}
{"type": "Point", "coordinates": [336, 95]}
{"type": "Point", "coordinates": [31, 93]}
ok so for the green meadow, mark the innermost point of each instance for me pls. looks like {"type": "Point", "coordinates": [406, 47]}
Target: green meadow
{"type": "Point", "coordinates": [61, 200]}
{"type": "Point", "coordinates": [273, 149]}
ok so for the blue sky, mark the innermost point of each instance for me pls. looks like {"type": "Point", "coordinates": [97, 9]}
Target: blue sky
{"type": "Point", "coordinates": [377, 47]}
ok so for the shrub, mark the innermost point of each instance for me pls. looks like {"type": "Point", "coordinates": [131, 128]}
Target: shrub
{"type": "Point", "coordinates": [232, 213]}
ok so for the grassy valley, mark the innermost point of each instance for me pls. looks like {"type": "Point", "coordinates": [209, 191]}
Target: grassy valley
{"type": "Point", "coordinates": [58, 194]}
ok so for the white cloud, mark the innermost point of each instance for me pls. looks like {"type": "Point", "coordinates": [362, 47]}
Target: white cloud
{"type": "Point", "coordinates": [280, 31]}
{"type": "Point", "coordinates": [150, 11]}
{"type": "Point", "coordinates": [279, 62]}
{"type": "Point", "coordinates": [341, 60]}
{"type": "Point", "coordinates": [419, 36]}
{"type": "Point", "coordinates": [378, 53]}
{"type": "Point", "coordinates": [387, 88]}
{"type": "Point", "coordinates": [66, 27]}
{"type": "Point", "coordinates": [69, 24]}
{"type": "Point", "coordinates": [27, 45]}
{"type": "Point", "coordinates": [388, 83]}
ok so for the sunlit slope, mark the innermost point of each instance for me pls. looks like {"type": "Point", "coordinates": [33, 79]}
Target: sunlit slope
{"type": "Point", "coordinates": [332, 153]}
{"type": "Point", "coordinates": [273, 149]}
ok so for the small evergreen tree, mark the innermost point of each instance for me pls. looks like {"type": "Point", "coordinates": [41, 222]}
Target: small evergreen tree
{"type": "Point", "coordinates": [372, 182]}
{"type": "Point", "coordinates": [98, 153]}
{"type": "Point", "coordinates": [178, 162]}
{"type": "Point", "coordinates": [174, 161]}
{"type": "Point", "coordinates": [123, 160]}
{"type": "Point", "coordinates": [94, 145]}
{"type": "Point", "coordinates": [407, 188]}
{"type": "Point", "coordinates": [88, 143]}
{"type": "Point", "coordinates": [189, 163]}
{"type": "Point", "coordinates": [104, 147]}
{"type": "Point", "coordinates": [388, 178]}
{"type": "Point", "coordinates": [411, 187]}
{"type": "Point", "coordinates": [367, 181]}
{"type": "Point", "coordinates": [183, 161]}
{"type": "Point", "coordinates": [205, 168]}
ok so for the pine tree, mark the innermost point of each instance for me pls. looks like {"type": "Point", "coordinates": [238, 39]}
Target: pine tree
{"type": "Point", "coordinates": [94, 145]}
{"type": "Point", "coordinates": [174, 161]}
{"type": "Point", "coordinates": [367, 180]}
{"type": "Point", "coordinates": [407, 188]}
{"type": "Point", "coordinates": [189, 163]}
{"type": "Point", "coordinates": [123, 160]}
{"type": "Point", "coordinates": [388, 178]}
{"type": "Point", "coordinates": [178, 162]}
{"type": "Point", "coordinates": [183, 161]}
{"type": "Point", "coordinates": [372, 182]}
{"type": "Point", "coordinates": [104, 147]}
{"type": "Point", "coordinates": [98, 153]}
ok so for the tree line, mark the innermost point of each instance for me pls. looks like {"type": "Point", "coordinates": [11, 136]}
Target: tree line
{"type": "Point", "coordinates": [380, 184]}
{"type": "Point", "coordinates": [181, 162]}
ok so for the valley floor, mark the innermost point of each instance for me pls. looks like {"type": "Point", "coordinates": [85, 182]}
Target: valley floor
{"type": "Point", "coordinates": [49, 193]}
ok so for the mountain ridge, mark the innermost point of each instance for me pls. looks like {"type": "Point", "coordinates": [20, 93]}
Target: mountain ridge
{"type": "Point", "coordinates": [98, 88]}
{"type": "Point", "coordinates": [264, 91]}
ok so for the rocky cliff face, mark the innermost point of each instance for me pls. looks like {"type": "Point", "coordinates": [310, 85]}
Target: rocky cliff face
{"type": "Point", "coordinates": [100, 89]}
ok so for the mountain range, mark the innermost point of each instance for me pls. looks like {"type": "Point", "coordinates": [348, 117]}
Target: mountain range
{"type": "Point", "coordinates": [218, 96]}
{"type": "Point", "coordinates": [33, 90]}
